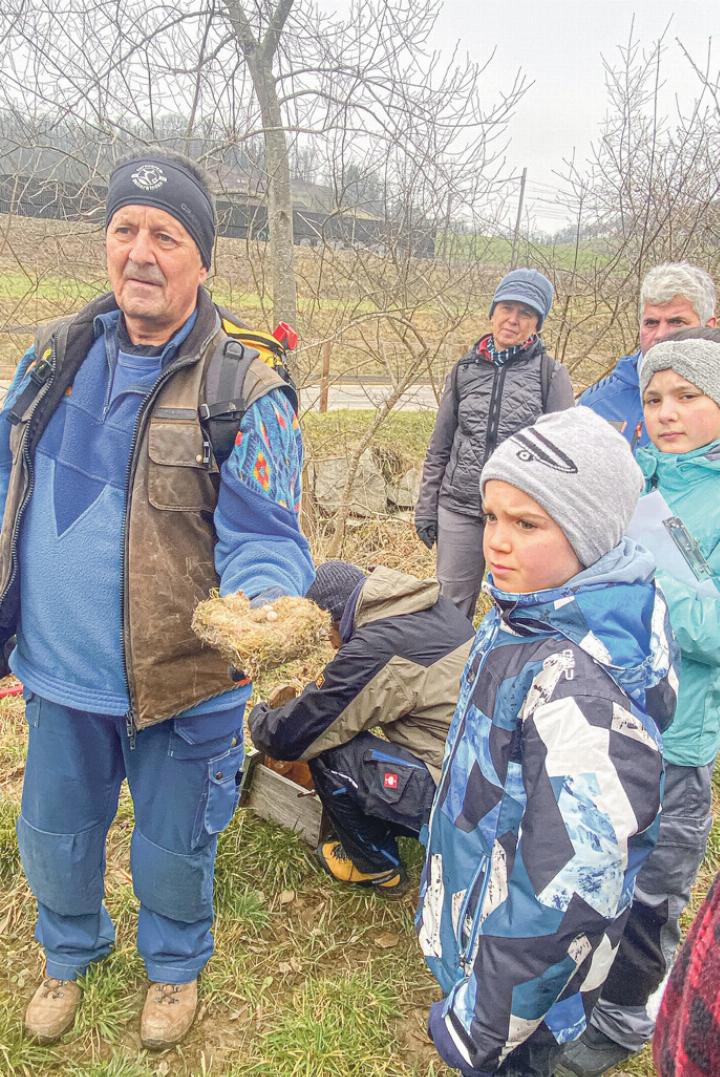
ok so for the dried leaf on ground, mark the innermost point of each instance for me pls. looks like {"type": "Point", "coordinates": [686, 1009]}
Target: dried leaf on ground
{"type": "Point", "coordinates": [387, 939]}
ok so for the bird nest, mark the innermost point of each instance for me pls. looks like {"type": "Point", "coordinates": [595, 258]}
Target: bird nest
{"type": "Point", "coordinates": [258, 640]}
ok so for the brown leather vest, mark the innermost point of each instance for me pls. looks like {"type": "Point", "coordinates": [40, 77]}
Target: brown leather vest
{"type": "Point", "coordinates": [169, 534]}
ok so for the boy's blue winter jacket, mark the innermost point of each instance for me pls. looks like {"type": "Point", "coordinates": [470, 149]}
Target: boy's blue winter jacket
{"type": "Point", "coordinates": [690, 484]}
{"type": "Point", "coordinates": [547, 805]}
{"type": "Point", "coordinates": [617, 398]}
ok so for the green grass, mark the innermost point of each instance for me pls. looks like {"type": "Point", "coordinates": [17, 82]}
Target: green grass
{"type": "Point", "coordinates": [334, 1026]}
{"type": "Point", "coordinates": [497, 251]}
{"type": "Point", "coordinates": [9, 856]}
{"type": "Point", "coordinates": [309, 979]}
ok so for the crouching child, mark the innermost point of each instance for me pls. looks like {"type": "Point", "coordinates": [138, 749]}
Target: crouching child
{"type": "Point", "coordinates": [550, 790]}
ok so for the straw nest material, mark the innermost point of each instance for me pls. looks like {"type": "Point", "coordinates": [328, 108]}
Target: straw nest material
{"type": "Point", "coordinates": [256, 641]}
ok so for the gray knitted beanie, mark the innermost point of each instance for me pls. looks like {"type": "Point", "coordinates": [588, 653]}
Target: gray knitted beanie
{"type": "Point", "coordinates": [525, 286]}
{"type": "Point", "coordinates": [334, 582]}
{"type": "Point", "coordinates": [580, 470]}
{"type": "Point", "coordinates": [696, 360]}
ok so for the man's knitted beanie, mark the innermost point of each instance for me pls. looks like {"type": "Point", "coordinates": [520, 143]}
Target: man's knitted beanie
{"type": "Point", "coordinates": [334, 582]}
{"type": "Point", "coordinates": [696, 360]}
{"type": "Point", "coordinates": [580, 470]}
{"type": "Point", "coordinates": [525, 286]}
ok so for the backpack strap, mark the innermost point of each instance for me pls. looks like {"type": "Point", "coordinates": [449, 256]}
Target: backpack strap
{"type": "Point", "coordinates": [235, 377]}
{"type": "Point", "coordinates": [547, 373]}
{"type": "Point", "coordinates": [39, 370]}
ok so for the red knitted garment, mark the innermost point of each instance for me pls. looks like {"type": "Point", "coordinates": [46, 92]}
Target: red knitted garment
{"type": "Point", "coordinates": [687, 1036]}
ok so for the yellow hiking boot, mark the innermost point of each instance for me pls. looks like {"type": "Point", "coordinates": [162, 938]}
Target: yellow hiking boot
{"type": "Point", "coordinates": [336, 862]}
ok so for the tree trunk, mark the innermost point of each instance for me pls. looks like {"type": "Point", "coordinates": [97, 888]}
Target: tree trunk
{"type": "Point", "coordinates": [259, 56]}
{"type": "Point", "coordinates": [280, 215]}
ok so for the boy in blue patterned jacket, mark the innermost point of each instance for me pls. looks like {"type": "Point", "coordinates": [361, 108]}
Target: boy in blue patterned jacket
{"type": "Point", "coordinates": [550, 791]}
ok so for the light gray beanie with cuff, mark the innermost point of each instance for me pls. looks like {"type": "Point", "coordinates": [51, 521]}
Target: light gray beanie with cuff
{"type": "Point", "coordinates": [696, 360]}
{"type": "Point", "coordinates": [580, 470]}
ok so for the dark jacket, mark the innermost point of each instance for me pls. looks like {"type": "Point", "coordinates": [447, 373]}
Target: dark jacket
{"type": "Point", "coordinates": [399, 668]}
{"type": "Point", "coordinates": [484, 403]}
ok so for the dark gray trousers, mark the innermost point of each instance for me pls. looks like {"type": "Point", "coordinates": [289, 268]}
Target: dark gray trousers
{"type": "Point", "coordinates": [460, 561]}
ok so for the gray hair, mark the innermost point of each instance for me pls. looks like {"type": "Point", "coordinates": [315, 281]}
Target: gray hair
{"type": "Point", "coordinates": [671, 279]}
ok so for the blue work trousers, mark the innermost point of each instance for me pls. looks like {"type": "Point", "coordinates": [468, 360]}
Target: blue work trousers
{"type": "Point", "coordinates": [182, 775]}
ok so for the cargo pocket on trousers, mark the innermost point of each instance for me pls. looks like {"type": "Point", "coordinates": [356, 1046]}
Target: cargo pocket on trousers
{"type": "Point", "coordinates": [393, 789]}
{"type": "Point", "coordinates": [223, 792]}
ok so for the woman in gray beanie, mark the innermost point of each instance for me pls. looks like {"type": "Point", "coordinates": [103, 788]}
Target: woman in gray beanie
{"type": "Point", "coordinates": [680, 386]}
{"type": "Point", "coordinates": [503, 383]}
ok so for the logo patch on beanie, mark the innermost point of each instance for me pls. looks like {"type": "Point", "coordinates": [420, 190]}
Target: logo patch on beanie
{"type": "Point", "coordinates": [537, 449]}
{"type": "Point", "coordinates": [149, 177]}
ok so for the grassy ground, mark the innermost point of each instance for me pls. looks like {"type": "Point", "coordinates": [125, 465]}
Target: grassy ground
{"type": "Point", "coordinates": [309, 979]}
{"type": "Point", "coordinates": [379, 315]}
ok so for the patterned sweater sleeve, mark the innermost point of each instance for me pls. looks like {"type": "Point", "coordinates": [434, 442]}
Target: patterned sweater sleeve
{"type": "Point", "coordinates": [551, 912]}
{"type": "Point", "coordinates": [260, 545]}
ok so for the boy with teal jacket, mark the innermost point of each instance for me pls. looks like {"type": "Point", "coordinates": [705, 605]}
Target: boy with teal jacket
{"type": "Point", "coordinates": [680, 384]}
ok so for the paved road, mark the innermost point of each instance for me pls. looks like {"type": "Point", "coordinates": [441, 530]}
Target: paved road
{"type": "Point", "coordinates": [355, 397]}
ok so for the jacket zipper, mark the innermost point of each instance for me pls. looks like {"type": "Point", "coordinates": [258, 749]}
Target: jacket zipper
{"type": "Point", "coordinates": [443, 785]}
{"type": "Point", "coordinates": [30, 472]}
{"type": "Point", "coordinates": [131, 716]}
{"type": "Point", "coordinates": [465, 950]}
{"type": "Point", "coordinates": [494, 411]}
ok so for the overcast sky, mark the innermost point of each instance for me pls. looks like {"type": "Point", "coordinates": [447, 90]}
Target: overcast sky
{"type": "Point", "coordinates": [559, 45]}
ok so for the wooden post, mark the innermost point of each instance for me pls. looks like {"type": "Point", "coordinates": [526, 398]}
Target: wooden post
{"type": "Point", "coordinates": [325, 375]}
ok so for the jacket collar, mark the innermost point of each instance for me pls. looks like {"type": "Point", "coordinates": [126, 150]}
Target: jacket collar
{"type": "Point", "coordinates": [664, 467]}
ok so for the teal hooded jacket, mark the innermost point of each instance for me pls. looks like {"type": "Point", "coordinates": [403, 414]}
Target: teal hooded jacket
{"type": "Point", "coordinates": [690, 484]}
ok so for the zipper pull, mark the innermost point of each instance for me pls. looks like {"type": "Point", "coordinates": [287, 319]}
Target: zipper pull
{"type": "Point", "coordinates": [131, 728]}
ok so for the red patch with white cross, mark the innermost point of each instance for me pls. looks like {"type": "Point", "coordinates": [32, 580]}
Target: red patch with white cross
{"type": "Point", "coordinates": [391, 780]}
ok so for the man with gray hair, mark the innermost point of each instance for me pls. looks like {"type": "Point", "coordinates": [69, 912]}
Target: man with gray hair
{"type": "Point", "coordinates": [674, 295]}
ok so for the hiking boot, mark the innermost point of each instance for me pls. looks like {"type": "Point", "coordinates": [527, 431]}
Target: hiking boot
{"type": "Point", "coordinates": [51, 1010]}
{"type": "Point", "coordinates": [392, 882]}
{"type": "Point", "coordinates": [594, 1053]}
{"type": "Point", "coordinates": [167, 1015]}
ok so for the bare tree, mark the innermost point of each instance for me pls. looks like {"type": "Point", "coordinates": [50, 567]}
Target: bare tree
{"type": "Point", "coordinates": [220, 75]}
{"type": "Point", "coordinates": [648, 193]}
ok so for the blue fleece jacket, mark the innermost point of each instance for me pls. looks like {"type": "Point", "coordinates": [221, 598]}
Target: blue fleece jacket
{"type": "Point", "coordinates": [71, 542]}
{"type": "Point", "coordinates": [617, 398]}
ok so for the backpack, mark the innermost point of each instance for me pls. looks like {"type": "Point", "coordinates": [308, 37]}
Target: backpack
{"type": "Point", "coordinates": [227, 370]}
{"type": "Point", "coordinates": [227, 386]}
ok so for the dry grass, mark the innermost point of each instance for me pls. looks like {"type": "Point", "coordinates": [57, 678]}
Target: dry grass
{"type": "Point", "coordinates": [257, 641]}
{"type": "Point", "coordinates": [49, 268]}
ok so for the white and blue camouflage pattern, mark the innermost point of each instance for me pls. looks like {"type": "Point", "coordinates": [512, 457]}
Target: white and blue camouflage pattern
{"type": "Point", "coordinates": [547, 805]}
